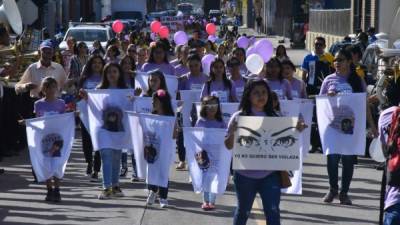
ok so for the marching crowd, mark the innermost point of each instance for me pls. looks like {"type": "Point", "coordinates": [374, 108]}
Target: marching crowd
{"type": "Point", "coordinates": [47, 87]}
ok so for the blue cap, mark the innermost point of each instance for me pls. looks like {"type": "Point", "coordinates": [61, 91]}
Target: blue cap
{"type": "Point", "coordinates": [46, 44]}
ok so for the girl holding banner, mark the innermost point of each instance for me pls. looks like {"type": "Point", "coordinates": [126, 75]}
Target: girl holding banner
{"type": "Point", "coordinates": [155, 82]}
{"type": "Point", "coordinates": [210, 117]}
{"type": "Point", "coordinates": [49, 105]}
{"type": "Point", "coordinates": [218, 84]}
{"type": "Point", "coordinates": [298, 86]}
{"type": "Point", "coordinates": [344, 81]}
{"type": "Point", "coordinates": [276, 81]}
{"type": "Point", "coordinates": [90, 78]}
{"type": "Point", "coordinates": [161, 106]}
{"type": "Point", "coordinates": [158, 60]}
{"type": "Point", "coordinates": [256, 101]}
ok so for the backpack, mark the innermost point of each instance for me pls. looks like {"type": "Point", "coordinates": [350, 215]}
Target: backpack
{"type": "Point", "coordinates": [393, 151]}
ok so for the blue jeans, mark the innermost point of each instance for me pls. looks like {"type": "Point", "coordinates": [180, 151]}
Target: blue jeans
{"type": "Point", "coordinates": [111, 160]}
{"type": "Point", "coordinates": [209, 197]}
{"type": "Point", "coordinates": [348, 162]}
{"type": "Point", "coordinates": [269, 189]}
{"type": "Point", "coordinates": [392, 215]}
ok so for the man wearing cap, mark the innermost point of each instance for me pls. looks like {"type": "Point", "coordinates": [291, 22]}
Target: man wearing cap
{"type": "Point", "coordinates": [36, 72]}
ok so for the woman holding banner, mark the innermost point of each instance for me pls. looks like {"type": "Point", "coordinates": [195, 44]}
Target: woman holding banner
{"type": "Point", "coordinates": [345, 80]}
{"type": "Point", "coordinates": [158, 60]}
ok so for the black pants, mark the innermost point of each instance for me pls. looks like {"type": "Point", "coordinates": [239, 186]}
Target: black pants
{"type": "Point", "coordinates": [181, 147]}
{"type": "Point", "coordinates": [162, 191]}
{"type": "Point", "coordinates": [87, 148]}
{"type": "Point", "coordinates": [315, 139]}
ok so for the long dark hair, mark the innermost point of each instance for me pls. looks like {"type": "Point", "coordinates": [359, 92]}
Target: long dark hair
{"type": "Point", "coordinates": [105, 83]}
{"type": "Point", "coordinates": [79, 45]}
{"type": "Point", "coordinates": [87, 69]}
{"type": "Point", "coordinates": [203, 111]}
{"type": "Point", "coordinates": [158, 45]}
{"type": "Point", "coordinates": [245, 104]}
{"type": "Point", "coordinates": [133, 63]}
{"type": "Point", "coordinates": [354, 80]}
{"type": "Point", "coordinates": [227, 82]}
{"type": "Point", "coordinates": [163, 83]}
{"type": "Point", "coordinates": [165, 100]}
{"type": "Point", "coordinates": [194, 57]}
{"type": "Point", "coordinates": [275, 60]}
{"type": "Point", "coordinates": [279, 48]}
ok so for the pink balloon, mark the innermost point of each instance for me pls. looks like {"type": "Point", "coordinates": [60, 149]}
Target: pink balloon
{"type": "Point", "coordinates": [242, 42]}
{"type": "Point", "coordinates": [250, 51]}
{"type": "Point", "coordinates": [206, 62]}
{"type": "Point", "coordinates": [163, 32]}
{"type": "Point", "coordinates": [265, 49]}
{"type": "Point", "coordinates": [155, 26]}
{"type": "Point", "coordinates": [117, 26]}
{"type": "Point", "coordinates": [211, 29]}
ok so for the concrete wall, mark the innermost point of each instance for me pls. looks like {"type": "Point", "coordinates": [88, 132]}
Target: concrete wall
{"type": "Point", "coordinates": [330, 39]}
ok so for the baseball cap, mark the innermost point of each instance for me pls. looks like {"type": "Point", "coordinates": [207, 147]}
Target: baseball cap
{"type": "Point", "coordinates": [46, 44]}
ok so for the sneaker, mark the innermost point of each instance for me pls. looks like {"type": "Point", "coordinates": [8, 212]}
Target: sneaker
{"type": "Point", "coordinates": [328, 198]}
{"type": "Point", "coordinates": [345, 199]}
{"type": "Point", "coordinates": [106, 194]}
{"type": "Point", "coordinates": [134, 179]}
{"type": "Point", "coordinates": [89, 169]}
{"type": "Point", "coordinates": [211, 206]}
{"type": "Point", "coordinates": [49, 195]}
{"type": "Point", "coordinates": [123, 172]}
{"type": "Point", "coordinates": [117, 192]}
{"type": "Point", "coordinates": [163, 203]}
{"type": "Point", "coordinates": [151, 198]}
{"type": "Point", "coordinates": [56, 195]}
{"type": "Point", "coordinates": [181, 166]}
{"type": "Point", "coordinates": [94, 177]}
{"type": "Point", "coordinates": [205, 206]}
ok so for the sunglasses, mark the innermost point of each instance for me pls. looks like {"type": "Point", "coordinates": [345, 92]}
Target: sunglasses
{"type": "Point", "coordinates": [211, 106]}
{"type": "Point", "coordinates": [319, 44]}
{"type": "Point", "coordinates": [339, 60]}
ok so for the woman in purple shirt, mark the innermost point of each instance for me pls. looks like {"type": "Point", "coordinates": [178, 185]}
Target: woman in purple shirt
{"type": "Point", "coordinates": [276, 81]}
{"type": "Point", "coordinates": [298, 86]}
{"type": "Point", "coordinates": [345, 80]}
{"type": "Point", "coordinates": [158, 60]}
{"type": "Point", "coordinates": [218, 84]}
{"type": "Point", "coordinates": [236, 77]}
{"type": "Point", "coordinates": [181, 68]}
{"type": "Point", "coordinates": [195, 78]}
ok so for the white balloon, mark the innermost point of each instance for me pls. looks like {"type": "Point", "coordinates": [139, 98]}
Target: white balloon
{"type": "Point", "coordinates": [254, 63]}
{"type": "Point", "coordinates": [375, 150]}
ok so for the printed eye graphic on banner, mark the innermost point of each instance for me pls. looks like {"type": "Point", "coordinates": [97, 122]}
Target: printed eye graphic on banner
{"type": "Point", "coordinates": [342, 119]}
{"type": "Point", "coordinates": [52, 145]}
{"type": "Point", "coordinates": [112, 119]}
{"type": "Point", "coordinates": [202, 159]}
{"type": "Point", "coordinates": [151, 148]}
{"type": "Point", "coordinates": [268, 140]}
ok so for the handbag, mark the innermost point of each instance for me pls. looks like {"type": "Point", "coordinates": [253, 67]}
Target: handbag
{"type": "Point", "coordinates": [285, 179]}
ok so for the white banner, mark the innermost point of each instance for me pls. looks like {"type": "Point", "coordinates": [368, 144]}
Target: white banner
{"type": "Point", "coordinates": [154, 147]}
{"type": "Point", "coordinates": [209, 161]}
{"type": "Point", "coordinates": [342, 123]}
{"type": "Point", "coordinates": [107, 118]}
{"type": "Point", "coordinates": [296, 177]}
{"type": "Point", "coordinates": [145, 105]}
{"type": "Point", "coordinates": [266, 143]}
{"type": "Point", "coordinates": [50, 140]}
{"type": "Point", "coordinates": [141, 81]}
{"type": "Point", "coordinates": [227, 109]}
{"type": "Point", "coordinates": [189, 97]}
{"type": "Point", "coordinates": [82, 108]}
{"type": "Point", "coordinates": [290, 108]}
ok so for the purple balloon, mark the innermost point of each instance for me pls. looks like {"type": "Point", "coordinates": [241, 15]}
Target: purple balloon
{"type": "Point", "coordinates": [250, 51]}
{"type": "Point", "coordinates": [212, 38]}
{"type": "Point", "coordinates": [190, 21]}
{"type": "Point", "coordinates": [206, 62]}
{"type": "Point", "coordinates": [153, 36]}
{"type": "Point", "coordinates": [242, 42]}
{"type": "Point", "coordinates": [252, 40]}
{"type": "Point", "coordinates": [191, 17]}
{"type": "Point", "coordinates": [180, 38]}
{"type": "Point", "coordinates": [265, 49]}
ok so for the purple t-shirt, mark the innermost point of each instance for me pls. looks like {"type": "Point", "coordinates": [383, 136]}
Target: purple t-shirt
{"type": "Point", "coordinates": [206, 123]}
{"type": "Point", "coordinates": [281, 88]}
{"type": "Point", "coordinates": [298, 88]}
{"type": "Point", "coordinates": [92, 82]}
{"type": "Point", "coordinates": [46, 108]}
{"type": "Point", "coordinates": [338, 84]}
{"type": "Point", "coordinates": [239, 85]}
{"type": "Point", "coordinates": [256, 174]}
{"type": "Point", "coordinates": [180, 70]}
{"type": "Point", "coordinates": [190, 82]}
{"type": "Point", "coordinates": [139, 67]}
{"type": "Point", "coordinates": [392, 195]}
{"type": "Point", "coordinates": [174, 62]}
{"type": "Point", "coordinates": [166, 68]}
{"type": "Point", "coordinates": [217, 88]}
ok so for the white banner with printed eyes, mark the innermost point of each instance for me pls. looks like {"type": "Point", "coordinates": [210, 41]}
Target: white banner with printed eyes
{"type": "Point", "coordinates": [342, 123]}
{"type": "Point", "coordinates": [50, 140]}
{"type": "Point", "coordinates": [153, 146]}
{"type": "Point", "coordinates": [107, 118]}
{"type": "Point", "coordinates": [208, 159]}
{"type": "Point", "coordinates": [141, 81]}
{"type": "Point", "coordinates": [145, 104]}
{"type": "Point", "coordinates": [266, 143]}
{"type": "Point", "coordinates": [189, 110]}
{"type": "Point", "coordinates": [227, 110]}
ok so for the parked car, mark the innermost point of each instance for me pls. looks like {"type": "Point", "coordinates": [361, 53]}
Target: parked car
{"type": "Point", "coordinates": [134, 19]}
{"type": "Point", "coordinates": [88, 33]}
